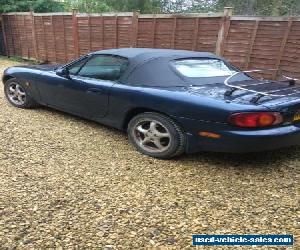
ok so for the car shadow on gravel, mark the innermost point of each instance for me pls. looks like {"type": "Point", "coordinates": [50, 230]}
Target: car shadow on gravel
{"type": "Point", "coordinates": [79, 119]}
{"type": "Point", "coordinates": [268, 159]}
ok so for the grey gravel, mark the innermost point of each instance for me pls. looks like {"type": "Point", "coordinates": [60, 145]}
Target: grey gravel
{"type": "Point", "coordinates": [68, 183]}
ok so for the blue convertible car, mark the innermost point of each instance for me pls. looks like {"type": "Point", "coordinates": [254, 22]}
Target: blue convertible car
{"type": "Point", "coordinates": [168, 101]}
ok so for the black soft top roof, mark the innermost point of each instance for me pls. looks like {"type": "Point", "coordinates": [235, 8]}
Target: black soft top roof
{"type": "Point", "coordinates": [144, 53]}
{"type": "Point", "coordinates": [151, 67]}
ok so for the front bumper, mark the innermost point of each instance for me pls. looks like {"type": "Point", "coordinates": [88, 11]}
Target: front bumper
{"type": "Point", "coordinates": [244, 141]}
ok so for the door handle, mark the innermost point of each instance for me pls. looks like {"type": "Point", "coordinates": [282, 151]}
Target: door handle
{"type": "Point", "coordinates": [97, 91]}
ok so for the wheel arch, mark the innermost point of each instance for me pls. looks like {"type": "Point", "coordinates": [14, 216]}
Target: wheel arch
{"type": "Point", "coordinates": [139, 110]}
{"type": "Point", "coordinates": [7, 77]}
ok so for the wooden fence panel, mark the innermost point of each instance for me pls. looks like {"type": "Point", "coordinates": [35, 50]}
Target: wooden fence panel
{"type": "Point", "coordinates": [238, 46]}
{"type": "Point", "coordinates": [68, 37]}
{"type": "Point", "coordinates": [40, 38]}
{"type": "Point", "coordinates": [247, 42]}
{"type": "Point", "coordinates": [163, 33]}
{"type": "Point", "coordinates": [146, 32]}
{"type": "Point", "coordinates": [267, 45]}
{"type": "Point", "coordinates": [2, 42]}
{"type": "Point", "coordinates": [264, 44]}
{"type": "Point", "coordinates": [208, 34]}
{"type": "Point", "coordinates": [290, 61]}
{"type": "Point", "coordinates": [184, 33]}
{"type": "Point", "coordinates": [124, 32]}
{"type": "Point", "coordinates": [58, 31]}
{"type": "Point", "coordinates": [6, 22]}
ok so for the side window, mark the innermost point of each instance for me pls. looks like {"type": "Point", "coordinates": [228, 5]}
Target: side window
{"type": "Point", "coordinates": [104, 67]}
{"type": "Point", "coordinates": [74, 68]}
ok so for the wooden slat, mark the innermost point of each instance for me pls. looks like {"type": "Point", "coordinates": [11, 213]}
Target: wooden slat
{"type": "Point", "coordinates": [186, 15]}
{"type": "Point", "coordinates": [153, 32]}
{"type": "Point", "coordinates": [75, 32]}
{"type": "Point", "coordinates": [283, 43]}
{"type": "Point", "coordinates": [4, 36]}
{"type": "Point", "coordinates": [18, 34]}
{"type": "Point", "coordinates": [11, 34]}
{"type": "Point", "coordinates": [90, 33]}
{"type": "Point", "coordinates": [102, 31]}
{"type": "Point", "coordinates": [174, 32]}
{"type": "Point", "coordinates": [26, 37]}
{"type": "Point", "coordinates": [116, 30]}
{"type": "Point", "coordinates": [253, 36]}
{"type": "Point", "coordinates": [44, 38]}
{"type": "Point", "coordinates": [54, 41]}
{"type": "Point", "coordinates": [196, 32]}
{"type": "Point", "coordinates": [64, 38]}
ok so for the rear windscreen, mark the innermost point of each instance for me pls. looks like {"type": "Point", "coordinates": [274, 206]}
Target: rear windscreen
{"type": "Point", "coordinates": [202, 67]}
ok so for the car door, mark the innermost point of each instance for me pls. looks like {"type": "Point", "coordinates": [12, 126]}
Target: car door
{"type": "Point", "coordinates": [86, 91]}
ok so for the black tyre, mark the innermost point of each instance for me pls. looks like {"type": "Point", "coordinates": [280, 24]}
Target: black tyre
{"type": "Point", "coordinates": [17, 94]}
{"type": "Point", "coordinates": [156, 135]}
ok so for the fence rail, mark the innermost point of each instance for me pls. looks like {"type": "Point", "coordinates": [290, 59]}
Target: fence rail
{"type": "Point", "coordinates": [247, 42]}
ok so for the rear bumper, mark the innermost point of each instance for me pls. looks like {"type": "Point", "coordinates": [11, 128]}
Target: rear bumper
{"type": "Point", "coordinates": [242, 141]}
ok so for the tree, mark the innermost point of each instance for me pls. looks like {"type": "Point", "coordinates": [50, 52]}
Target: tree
{"type": "Point", "coordinates": [241, 7]}
{"type": "Point", "coordinates": [26, 5]}
{"type": "Point", "coordinates": [261, 7]}
{"type": "Point", "coordinates": [88, 6]}
{"type": "Point", "coordinates": [144, 6]}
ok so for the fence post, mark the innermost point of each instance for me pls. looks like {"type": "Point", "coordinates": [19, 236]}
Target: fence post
{"type": "Point", "coordinates": [135, 27]}
{"type": "Point", "coordinates": [75, 32]}
{"type": "Point", "coordinates": [116, 30]}
{"type": "Point", "coordinates": [34, 36]}
{"type": "Point", "coordinates": [223, 31]}
{"type": "Point", "coordinates": [6, 50]}
{"type": "Point", "coordinates": [253, 36]}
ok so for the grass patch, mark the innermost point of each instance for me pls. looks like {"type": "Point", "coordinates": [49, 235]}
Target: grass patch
{"type": "Point", "coordinates": [19, 59]}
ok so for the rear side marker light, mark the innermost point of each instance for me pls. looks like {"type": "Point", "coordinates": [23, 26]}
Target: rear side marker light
{"type": "Point", "coordinates": [209, 134]}
{"type": "Point", "coordinates": [255, 119]}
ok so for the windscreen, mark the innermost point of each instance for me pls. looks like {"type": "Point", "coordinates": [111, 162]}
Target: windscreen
{"type": "Point", "coordinates": [203, 67]}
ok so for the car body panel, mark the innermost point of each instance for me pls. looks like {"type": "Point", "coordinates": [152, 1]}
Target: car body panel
{"type": "Point", "coordinates": [77, 95]}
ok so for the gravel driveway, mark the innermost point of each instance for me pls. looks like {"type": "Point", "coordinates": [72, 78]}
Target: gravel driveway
{"type": "Point", "coordinates": [69, 183]}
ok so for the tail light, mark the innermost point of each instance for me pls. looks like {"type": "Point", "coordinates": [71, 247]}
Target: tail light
{"type": "Point", "coordinates": [255, 119]}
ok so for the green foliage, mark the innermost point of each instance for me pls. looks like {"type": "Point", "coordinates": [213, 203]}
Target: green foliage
{"type": "Point", "coordinates": [144, 6]}
{"type": "Point", "coordinates": [88, 6]}
{"type": "Point", "coordinates": [260, 7]}
{"type": "Point", "coordinates": [241, 7]}
{"type": "Point", "coordinates": [26, 5]}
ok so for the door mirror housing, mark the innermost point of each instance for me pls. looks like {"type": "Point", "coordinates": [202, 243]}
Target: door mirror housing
{"type": "Point", "coordinates": [63, 72]}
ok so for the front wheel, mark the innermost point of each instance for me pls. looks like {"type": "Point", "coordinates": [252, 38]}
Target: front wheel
{"type": "Point", "coordinates": [156, 135]}
{"type": "Point", "coordinates": [17, 94]}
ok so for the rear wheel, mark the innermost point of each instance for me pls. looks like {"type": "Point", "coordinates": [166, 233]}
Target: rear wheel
{"type": "Point", "coordinates": [156, 135]}
{"type": "Point", "coordinates": [17, 94]}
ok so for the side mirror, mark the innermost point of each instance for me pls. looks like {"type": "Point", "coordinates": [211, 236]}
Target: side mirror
{"type": "Point", "coordinates": [63, 72]}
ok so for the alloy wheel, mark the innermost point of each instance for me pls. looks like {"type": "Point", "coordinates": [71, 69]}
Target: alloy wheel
{"type": "Point", "coordinates": [152, 136]}
{"type": "Point", "coordinates": [16, 94]}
